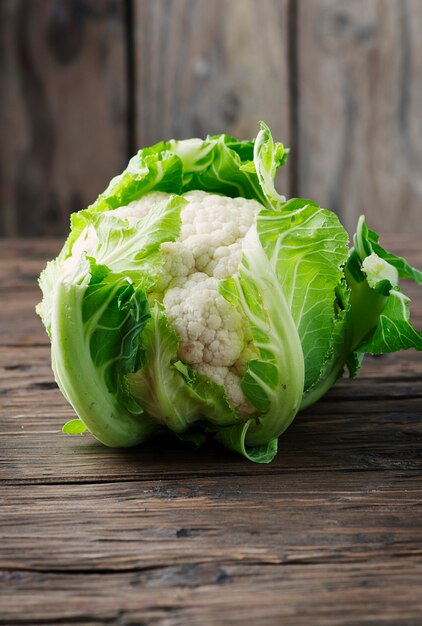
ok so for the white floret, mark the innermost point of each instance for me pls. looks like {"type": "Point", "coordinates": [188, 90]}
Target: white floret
{"type": "Point", "coordinates": [178, 263]}
{"type": "Point", "coordinates": [211, 330]}
{"type": "Point", "coordinates": [213, 228]}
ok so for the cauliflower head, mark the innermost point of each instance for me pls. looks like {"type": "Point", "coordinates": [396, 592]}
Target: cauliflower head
{"type": "Point", "coordinates": [192, 297]}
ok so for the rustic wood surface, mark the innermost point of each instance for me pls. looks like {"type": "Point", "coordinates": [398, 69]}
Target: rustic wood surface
{"type": "Point", "coordinates": [328, 534]}
{"type": "Point", "coordinates": [84, 83]}
{"type": "Point", "coordinates": [360, 132]}
{"type": "Point", "coordinates": [63, 109]}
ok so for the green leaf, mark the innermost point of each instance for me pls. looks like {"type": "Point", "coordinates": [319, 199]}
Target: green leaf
{"type": "Point", "coordinates": [151, 169]}
{"type": "Point", "coordinates": [268, 157]}
{"type": "Point", "coordinates": [47, 282]}
{"type": "Point", "coordinates": [260, 378]}
{"type": "Point", "coordinates": [376, 319]}
{"type": "Point", "coordinates": [97, 321]}
{"type": "Point", "coordinates": [394, 330]}
{"type": "Point", "coordinates": [74, 427]}
{"type": "Point", "coordinates": [354, 362]}
{"type": "Point", "coordinates": [132, 250]}
{"type": "Point", "coordinates": [114, 315]}
{"type": "Point", "coordinates": [337, 355]}
{"type": "Point", "coordinates": [307, 248]}
{"type": "Point", "coordinates": [158, 387]}
{"type": "Point", "coordinates": [235, 438]}
{"type": "Point", "coordinates": [215, 165]}
{"type": "Point", "coordinates": [274, 382]}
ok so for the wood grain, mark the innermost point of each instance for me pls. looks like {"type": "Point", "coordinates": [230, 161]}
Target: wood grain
{"type": "Point", "coordinates": [210, 67]}
{"type": "Point", "coordinates": [294, 547]}
{"type": "Point", "coordinates": [337, 80]}
{"type": "Point", "coordinates": [62, 109]}
{"type": "Point", "coordinates": [214, 595]}
{"type": "Point", "coordinates": [360, 87]}
{"type": "Point", "coordinates": [328, 534]}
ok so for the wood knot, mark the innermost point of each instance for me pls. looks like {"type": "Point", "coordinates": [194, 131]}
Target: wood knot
{"type": "Point", "coordinates": [65, 30]}
{"type": "Point", "coordinates": [346, 23]}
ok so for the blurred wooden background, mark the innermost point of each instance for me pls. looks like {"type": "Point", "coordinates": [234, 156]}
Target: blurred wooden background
{"type": "Point", "coordinates": [84, 83]}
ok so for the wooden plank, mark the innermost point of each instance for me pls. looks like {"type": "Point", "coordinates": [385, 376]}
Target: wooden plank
{"type": "Point", "coordinates": [214, 593]}
{"type": "Point", "coordinates": [21, 260]}
{"type": "Point", "coordinates": [293, 519]}
{"type": "Point", "coordinates": [359, 110]}
{"type": "Point", "coordinates": [62, 109]}
{"type": "Point", "coordinates": [19, 324]}
{"type": "Point", "coordinates": [210, 67]}
{"type": "Point", "coordinates": [191, 552]}
{"type": "Point", "coordinates": [388, 438]}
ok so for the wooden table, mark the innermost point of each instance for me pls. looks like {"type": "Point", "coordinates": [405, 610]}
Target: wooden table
{"type": "Point", "coordinates": [329, 533]}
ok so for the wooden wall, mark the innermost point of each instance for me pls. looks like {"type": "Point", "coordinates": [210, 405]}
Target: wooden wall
{"type": "Point", "coordinates": [83, 83]}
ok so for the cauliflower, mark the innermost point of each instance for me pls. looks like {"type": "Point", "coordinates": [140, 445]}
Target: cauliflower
{"type": "Point", "coordinates": [192, 297]}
